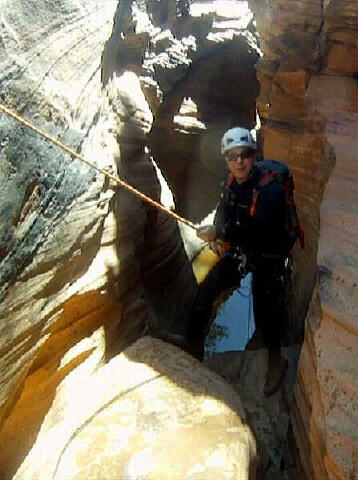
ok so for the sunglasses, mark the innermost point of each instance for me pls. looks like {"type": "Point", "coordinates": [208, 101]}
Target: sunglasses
{"type": "Point", "coordinates": [232, 157]}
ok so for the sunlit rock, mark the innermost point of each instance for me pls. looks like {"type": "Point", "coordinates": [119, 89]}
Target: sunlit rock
{"type": "Point", "coordinates": [152, 412]}
{"type": "Point", "coordinates": [85, 267]}
{"type": "Point", "coordinates": [269, 417]}
{"type": "Point", "coordinates": [311, 122]}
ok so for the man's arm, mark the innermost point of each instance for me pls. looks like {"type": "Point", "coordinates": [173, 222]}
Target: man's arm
{"type": "Point", "coordinates": [210, 233]}
{"type": "Point", "coordinates": [222, 217]}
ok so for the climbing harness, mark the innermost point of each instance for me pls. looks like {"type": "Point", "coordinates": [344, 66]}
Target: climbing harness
{"type": "Point", "coordinates": [249, 314]}
{"type": "Point", "coordinates": [115, 178]}
{"type": "Point", "coordinates": [240, 259]}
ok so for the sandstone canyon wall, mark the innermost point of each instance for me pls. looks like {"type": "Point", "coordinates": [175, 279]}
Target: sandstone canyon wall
{"type": "Point", "coordinates": [308, 78]}
{"type": "Point", "coordinates": [84, 265]}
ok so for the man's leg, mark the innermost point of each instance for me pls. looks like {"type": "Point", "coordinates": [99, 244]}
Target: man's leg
{"type": "Point", "coordinates": [269, 312]}
{"type": "Point", "coordinates": [224, 276]}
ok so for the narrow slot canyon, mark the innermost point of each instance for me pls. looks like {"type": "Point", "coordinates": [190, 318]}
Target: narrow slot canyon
{"type": "Point", "coordinates": [217, 93]}
{"type": "Point", "coordinates": [92, 275]}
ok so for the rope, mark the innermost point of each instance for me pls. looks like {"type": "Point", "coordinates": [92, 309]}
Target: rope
{"type": "Point", "coordinates": [115, 178]}
{"type": "Point", "coordinates": [249, 314]}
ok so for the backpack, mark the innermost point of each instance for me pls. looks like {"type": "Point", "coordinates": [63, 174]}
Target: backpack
{"type": "Point", "coordinates": [274, 170]}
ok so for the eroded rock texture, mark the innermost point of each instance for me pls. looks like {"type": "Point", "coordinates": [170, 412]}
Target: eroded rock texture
{"type": "Point", "coordinates": [269, 417]}
{"type": "Point", "coordinates": [57, 234]}
{"type": "Point", "coordinates": [152, 412]}
{"type": "Point", "coordinates": [308, 78]}
{"type": "Point", "coordinates": [85, 266]}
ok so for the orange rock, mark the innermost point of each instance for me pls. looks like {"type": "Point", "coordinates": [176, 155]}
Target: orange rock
{"type": "Point", "coordinates": [341, 58]}
{"type": "Point", "coordinates": [285, 107]}
{"type": "Point", "coordinates": [293, 83]}
{"type": "Point", "coordinates": [277, 144]}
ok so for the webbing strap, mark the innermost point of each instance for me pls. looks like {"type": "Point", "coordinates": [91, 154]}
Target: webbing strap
{"type": "Point", "coordinates": [115, 178]}
{"type": "Point", "coordinates": [229, 180]}
{"type": "Point", "coordinates": [255, 196]}
{"type": "Point", "coordinates": [267, 178]}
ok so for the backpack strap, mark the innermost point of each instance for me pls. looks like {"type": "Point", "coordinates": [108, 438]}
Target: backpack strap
{"type": "Point", "coordinates": [264, 180]}
{"type": "Point", "coordinates": [289, 187]}
{"type": "Point", "coordinates": [292, 226]}
{"type": "Point", "coordinates": [229, 180]}
{"type": "Point", "coordinates": [255, 196]}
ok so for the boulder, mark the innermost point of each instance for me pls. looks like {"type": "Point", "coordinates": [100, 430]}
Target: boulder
{"type": "Point", "coordinates": [269, 417]}
{"type": "Point", "coordinates": [153, 412]}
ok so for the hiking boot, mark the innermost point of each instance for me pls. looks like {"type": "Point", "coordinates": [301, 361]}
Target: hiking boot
{"type": "Point", "coordinates": [276, 369]}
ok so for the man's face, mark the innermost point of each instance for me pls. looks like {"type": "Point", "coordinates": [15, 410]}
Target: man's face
{"type": "Point", "coordinates": [240, 161]}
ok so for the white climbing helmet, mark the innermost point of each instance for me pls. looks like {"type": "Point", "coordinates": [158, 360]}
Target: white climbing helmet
{"type": "Point", "coordinates": [237, 137]}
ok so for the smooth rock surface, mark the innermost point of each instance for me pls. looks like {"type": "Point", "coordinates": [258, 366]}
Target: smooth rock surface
{"type": "Point", "coordinates": [61, 308]}
{"type": "Point", "coordinates": [269, 417]}
{"type": "Point", "coordinates": [52, 211]}
{"type": "Point", "coordinates": [152, 412]}
{"type": "Point", "coordinates": [66, 253]}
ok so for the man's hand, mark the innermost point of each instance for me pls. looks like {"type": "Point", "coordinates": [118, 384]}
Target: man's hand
{"type": "Point", "coordinates": [220, 247]}
{"type": "Point", "coordinates": [207, 233]}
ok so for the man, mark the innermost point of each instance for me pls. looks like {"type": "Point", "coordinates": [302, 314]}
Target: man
{"type": "Point", "coordinates": [249, 225]}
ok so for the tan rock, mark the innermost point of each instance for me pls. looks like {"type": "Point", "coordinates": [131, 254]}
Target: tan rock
{"type": "Point", "coordinates": [152, 412]}
{"type": "Point", "coordinates": [49, 60]}
{"type": "Point", "coordinates": [330, 352]}
{"type": "Point", "coordinates": [51, 209]}
{"type": "Point", "coordinates": [284, 106]}
{"type": "Point", "coordinates": [277, 143]}
{"type": "Point", "coordinates": [324, 418]}
{"type": "Point", "coordinates": [268, 416]}
{"type": "Point", "coordinates": [128, 101]}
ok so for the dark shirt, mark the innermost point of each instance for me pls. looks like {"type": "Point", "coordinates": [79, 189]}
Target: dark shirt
{"type": "Point", "coordinates": [262, 233]}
